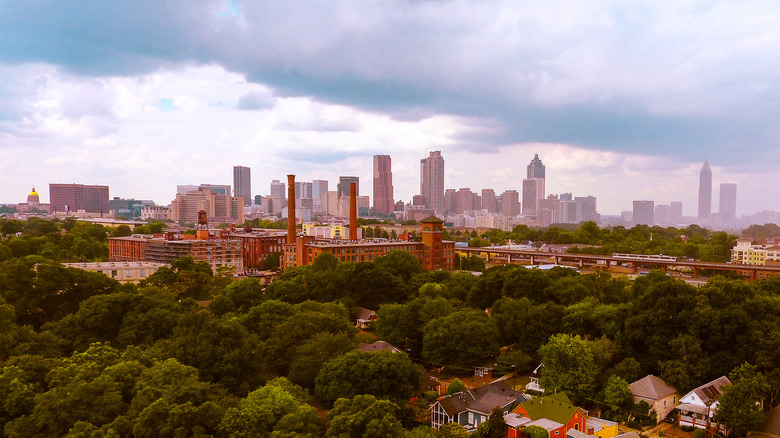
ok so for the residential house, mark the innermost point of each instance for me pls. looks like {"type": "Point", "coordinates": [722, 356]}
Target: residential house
{"type": "Point", "coordinates": [473, 407]}
{"type": "Point", "coordinates": [378, 346]}
{"type": "Point", "coordinates": [364, 317]}
{"type": "Point", "coordinates": [555, 413]}
{"type": "Point", "coordinates": [601, 428]}
{"type": "Point", "coordinates": [698, 406]}
{"type": "Point", "coordinates": [655, 392]}
{"type": "Point", "coordinates": [534, 385]}
{"type": "Point", "coordinates": [574, 433]}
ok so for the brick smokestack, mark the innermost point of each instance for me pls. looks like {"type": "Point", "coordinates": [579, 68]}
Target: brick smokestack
{"type": "Point", "coordinates": [290, 209]}
{"type": "Point", "coordinates": [353, 211]}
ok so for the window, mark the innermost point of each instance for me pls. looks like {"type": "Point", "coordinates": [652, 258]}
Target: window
{"type": "Point", "coordinates": [471, 418]}
{"type": "Point", "coordinates": [128, 273]}
{"type": "Point", "coordinates": [114, 273]}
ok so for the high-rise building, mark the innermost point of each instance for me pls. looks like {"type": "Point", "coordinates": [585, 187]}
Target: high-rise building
{"type": "Point", "coordinates": [533, 186]}
{"type": "Point", "coordinates": [450, 200]}
{"type": "Point", "coordinates": [432, 181]}
{"type": "Point", "coordinates": [277, 189]}
{"type": "Point", "coordinates": [464, 200]}
{"type": "Point", "coordinates": [663, 214]}
{"type": "Point", "coordinates": [586, 209]}
{"type": "Point", "coordinates": [489, 200]}
{"type": "Point", "coordinates": [383, 184]}
{"type": "Point", "coordinates": [344, 182]}
{"type": "Point", "coordinates": [319, 189]}
{"type": "Point", "coordinates": [242, 183]}
{"type": "Point", "coordinates": [533, 191]}
{"type": "Point", "coordinates": [644, 212]}
{"type": "Point", "coordinates": [220, 189]}
{"type": "Point", "coordinates": [510, 203]}
{"type": "Point", "coordinates": [705, 191]}
{"type": "Point", "coordinates": [536, 168]}
{"type": "Point", "coordinates": [675, 208]}
{"type": "Point", "coordinates": [218, 207]}
{"type": "Point", "coordinates": [728, 202]}
{"type": "Point", "coordinates": [74, 197]}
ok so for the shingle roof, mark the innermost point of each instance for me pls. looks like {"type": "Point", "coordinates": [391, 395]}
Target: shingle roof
{"type": "Point", "coordinates": [482, 400]}
{"type": "Point", "coordinates": [712, 391]}
{"type": "Point", "coordinates": [651, 387]}
{"type": "Point", "coordinates": [378, 346]}
{"type": "Point", "coordinates": [363, 313]}
{"type": "Point", "coordinates": [556, 407]}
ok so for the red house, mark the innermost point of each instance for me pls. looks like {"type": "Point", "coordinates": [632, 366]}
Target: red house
{"type": "Point", "coordinates": [554, 413]}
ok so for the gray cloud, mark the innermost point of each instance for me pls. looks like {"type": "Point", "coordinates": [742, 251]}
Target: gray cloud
{"type": "Point", "coordinates": [255, 100]}
{"type": "Point", "coordinates": [649, 77]}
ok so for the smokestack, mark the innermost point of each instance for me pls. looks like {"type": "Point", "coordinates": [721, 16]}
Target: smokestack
{"type": "Point", "coordinates": [353, 211]}
{"type": "Point", "coordinates": [290, 209]}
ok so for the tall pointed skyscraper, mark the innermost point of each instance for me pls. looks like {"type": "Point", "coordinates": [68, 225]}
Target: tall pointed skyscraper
{"type": "Point", "coordinates": [533, 187]}
{"type": "Point", "coordinates": [705, 191]}
{"type": "Point", "coordinates": [536, 168]}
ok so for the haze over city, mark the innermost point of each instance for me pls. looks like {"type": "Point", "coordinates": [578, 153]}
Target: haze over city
{"type": "Point", "coordinates": [622, 100]}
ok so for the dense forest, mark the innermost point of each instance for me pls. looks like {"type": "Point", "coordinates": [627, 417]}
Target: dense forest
{"type": "Point", "coordinates": [190, 353]}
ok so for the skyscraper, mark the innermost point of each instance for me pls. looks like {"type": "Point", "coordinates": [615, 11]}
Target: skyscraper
{"type": "Point", "coordinates": [536, 168]}
{"type": "Point", "coordinates": [277, 189]}
{"type": "Point", "coordinates": [644, 212]}
{"type": "Point", "coordinates": [675, 211]}
{"type": "Point", "coordinates": [728, 202]}
{"type": "Point", "coordinates": [533, 186]}
{"type": "Point", "coordinates": [383, 184]}
{"type": "Point", "coordinates": [489, 200]}
{"type": "Point", "coordinates": [319, 189]}
{"type": "Point", "coordinates": [705, 191]}
{"type": "Point", "coordinates": [510, 203]}
{"type": "Point", "coordinates": [533, 191]}
{"type": "Point", "coordinates": [432, 181]}
{"type": "Point", "coordinates": [242, 183]}
{"type": "Point", "coordinates": [343, 185]}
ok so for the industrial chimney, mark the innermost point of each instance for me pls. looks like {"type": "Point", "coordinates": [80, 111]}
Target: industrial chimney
{"type": "Point", "coordinates": [291, 209]}
{"type": "Point", "coordinates": [353, 211]}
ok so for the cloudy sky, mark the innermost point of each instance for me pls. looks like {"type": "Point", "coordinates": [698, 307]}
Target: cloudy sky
{"type": "Point", "coordinates": [622, 100]}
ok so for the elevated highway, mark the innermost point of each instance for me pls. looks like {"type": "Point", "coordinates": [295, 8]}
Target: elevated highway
{"type": "Point", "coordinates": [530, 257]}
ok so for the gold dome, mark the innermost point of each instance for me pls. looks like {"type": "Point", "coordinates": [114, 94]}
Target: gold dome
{"type": "Point", "coordinates": [33, 193]}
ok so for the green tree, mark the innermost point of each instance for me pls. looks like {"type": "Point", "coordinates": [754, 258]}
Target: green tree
{"type": "Point", "coordinates": [453, 430]}
{"type": "Point", "coordinates": [308, 359]}
{"type": "Point", "coordinates": [465, 338]}
{"type": "Point", "coordinates": [364, 416]}
{"type": "Point", "coordinates": [455, 386]}
{"type": "Point", "coordinates": [495, 427]}
{"type": "Point", "coordinates": [271, 411]}
{"type": "Point", "coordinates": [536, 432]}
{"type": "Point", "coordinates": [740, 409]}
{"type": "Point", "coordinates": [568, 365]}
{"type": "Point", "coordinates": [382, 374]}
{"type": "Point", "coordinates": [617, 393]}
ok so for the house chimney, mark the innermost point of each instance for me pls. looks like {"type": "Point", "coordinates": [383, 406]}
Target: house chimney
{"type": "Point", "coordinates": [291, 209]}
{"type": "Point", "coordinates": [353, 211]}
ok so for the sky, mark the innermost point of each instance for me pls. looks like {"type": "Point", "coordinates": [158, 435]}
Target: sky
{"type": "Point", "coordinates": [622, 100]}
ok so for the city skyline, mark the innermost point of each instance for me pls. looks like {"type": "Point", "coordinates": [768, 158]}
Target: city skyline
{"type": "Point", "coordinates": [621, 101]}
{"type": "Point", "coordinates": [535, 167]}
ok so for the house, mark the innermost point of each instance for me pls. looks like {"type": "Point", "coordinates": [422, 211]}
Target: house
{"type": "Point", "coordinates": [555, 413]}
{"type": "Point", "coordinates": [364, 317]}
{"type": "Point", "coordinates": [534, 385]}
{"type": "Point", "coordinates": [601, 428]}
{"type": "Point", "coordinates": [698, 406]}
{"type": "Point", "coordinates": [473, 407]}
{"type": "Point", "coordinates": [656, 393]}
{"type": "Point", "coordinates": [574, 433]}
{"type": "Point", "coordinates": [378, 346]}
